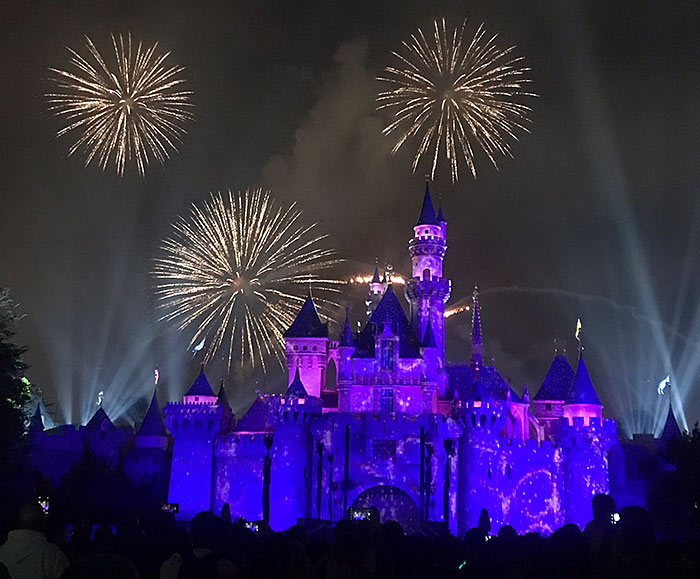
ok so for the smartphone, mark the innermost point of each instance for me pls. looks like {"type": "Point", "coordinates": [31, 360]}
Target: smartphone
{"type": "Point", "coordinates": [252, 525]}
{"type": "Point", "coordinates": [171, 507]}
{"type": "Point", "coordinates": [359, 514]}
{"type": "Point", "coordinates": [44, 504]}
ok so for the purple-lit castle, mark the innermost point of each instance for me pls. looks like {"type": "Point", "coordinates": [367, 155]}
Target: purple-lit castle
{"type": "Point", "coordinates": [401, 429]}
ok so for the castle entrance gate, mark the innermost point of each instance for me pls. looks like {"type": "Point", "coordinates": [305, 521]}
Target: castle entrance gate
{"type": "Point", "coordinates": [392, 503]}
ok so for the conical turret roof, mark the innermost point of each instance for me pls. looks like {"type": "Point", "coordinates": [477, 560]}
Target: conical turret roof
{"type": "Point", "coordinates": [557, 382]}
{"type": "Point", "coordinates": [441, 216]}
{"type": "Point", "coordinates": [201, 386]}
{"type": "Point", "coordinates": [346, 340]}
{"type": "Point", "coordinates": [307, 324]}
{"type": "Point", "coordinates": [582, 390]}
{"type": "Point", "coordinates": [37, 422]}
{"type": "Point", "coordinates": [222, 397]}
{"type": "Point", "coordinates": [100, 420]}
{"type": "Point", "coordinates": [427, 212]}
{"type": "Point", "coordinates": [671, 428]}
{"type": "Point", "coordinates": [429, 337]}
{"type": "Point", "coordinates": [296, 389]}
{"type": "Point", "coordinates": [153, 422]}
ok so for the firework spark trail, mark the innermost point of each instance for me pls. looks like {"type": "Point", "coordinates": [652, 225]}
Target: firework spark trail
{"type": "Point", "coordinates": [449, 96]}
{"type": "Point", "coordinates": [238, 269]}
{"type": "Point", "coordinates": [133, 111]}
{"type": "Point", "coordinates": [591, 298]}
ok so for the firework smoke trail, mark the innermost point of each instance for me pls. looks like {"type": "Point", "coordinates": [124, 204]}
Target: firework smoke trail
{"type": "Point", "coordinates": [237, 271]}
{"type": "Point", "coordinates": [590, 298]}
{"type": "Point", "coordinates": [450, 95]}
{"type": "Point", "coordinates": [132, 111]}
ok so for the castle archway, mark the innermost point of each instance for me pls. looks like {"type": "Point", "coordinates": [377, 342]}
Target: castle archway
{"type": "Point", "coordinates": [392, 503]}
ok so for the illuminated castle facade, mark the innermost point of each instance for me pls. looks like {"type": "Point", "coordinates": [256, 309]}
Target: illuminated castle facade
{"type": "Point", "coordinates": [397, 427]}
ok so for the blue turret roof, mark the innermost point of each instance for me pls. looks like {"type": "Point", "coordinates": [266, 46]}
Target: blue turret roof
{"type": "Point", "coordinates": [427, 212]}
{"type": "Point", "coordinates": [441, 216]}
{"type": "Point", "coordinates": [153, 423]}
{"type": "Point", "coordinates": [307, 324]}
{"type": "Point", "coordinates": [296, 389]}
{"type": "Point", "coordinates": [582, 391]}
{"type": "Point", "coordinates": [462, 379]}
{"type": "Point", "coordinates": [671, 428]}
{"type": "Point", "coordinates": [257, 419]}
{"type": "Point", "coordinates": [100, 421]}
{"type": "Point", "coordinates": [375, 277]}
{"type": "Point", "coordinates": [429, 337]}
{"type": "Point", "coordinates": [388, 311]}
{"type": "Point", "coordinates": [37, 423]}
{"type": "Point", "coordinates": [222, 397]}
{"type": "Point", "coordinates": [346, 338]}
{"type": "Point", "coordinates": [557, 382]}
{"type": "Point", "coordinates": [201, 386]}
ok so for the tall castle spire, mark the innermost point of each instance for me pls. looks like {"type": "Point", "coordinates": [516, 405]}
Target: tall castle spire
{"type": "Point", "coordinates": [477, 358]}
{"type": "Point", "coordinates": [427, 291]}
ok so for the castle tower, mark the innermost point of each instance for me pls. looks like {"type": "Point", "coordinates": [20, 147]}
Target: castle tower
{"type": "Point", "coordinates": [548, 403]}
{"type": "Point", "coordinates": [307, 348]}
{"type": "Point", "coordinates": [582, 401]}
{"type": "Point", "coordinates": [346, 348]}
{"type": "Point", "coordinates": [427, 291]}
{"type": "Point", "coordinates": [150, 459]}
{"type": "Point", "coordinates": [194, 424]}
{"type": "Point", "coordinates": [375, 292]}
{"type": "Point", "coordinates": [292, 456]}
{"type": "Point", "coordinates": [586, 438]}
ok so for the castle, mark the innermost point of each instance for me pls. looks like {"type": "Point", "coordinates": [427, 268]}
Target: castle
{"type": "Point", "coordinates": [420, 439]}
{"type": "Point", "coordinates": [378, 418]}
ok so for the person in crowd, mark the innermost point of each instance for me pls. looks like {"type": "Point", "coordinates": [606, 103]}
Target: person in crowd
{"type": "Point", "coordinates": [205, 559]}
{"type": "Point", "coordinates": [27, 553]}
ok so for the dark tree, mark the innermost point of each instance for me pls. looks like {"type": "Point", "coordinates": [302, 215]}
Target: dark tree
{"type": "Point", "coordinates": [14, 392]}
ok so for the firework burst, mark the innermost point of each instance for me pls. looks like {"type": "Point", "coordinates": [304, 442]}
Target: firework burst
{"type": "Point", "coordinates": [450, 95]}
{"type": "Point", "coordinates": [131, 112]}
{"type": "Point", "coordinates": [237, 270]}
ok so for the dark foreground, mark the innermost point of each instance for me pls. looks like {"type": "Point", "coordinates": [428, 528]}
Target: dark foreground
{"type": "Point", "coordinates": [216, 547]}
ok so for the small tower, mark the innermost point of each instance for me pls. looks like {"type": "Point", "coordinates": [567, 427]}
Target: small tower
{"type": "Point", "coordinates": [150, 459]}
{"type": "Point", "coordinates": [548, 403]}
{"type": "Point", "coordinates": [427, 291]}
{"type": "Point", "coordinates": [671, 429]}
{"type": "Point", "coordinates": [375, 292]}
{"type": "Point", "coordinates": [292, 455]}
{"type": "Point", "coordinates": [194, 424]}
{"type": "Point", "coordinates": [200, 392]}
{"type": "Point", "coordinates": [429, 378]}
{"type": "Point", "coordinates": [581, 400]}
{"type": "Point", "coordinates": [346, 348]}
{"type": "Point", "coordinates": [307, 348]}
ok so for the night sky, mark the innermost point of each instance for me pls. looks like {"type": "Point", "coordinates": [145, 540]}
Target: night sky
{"type": "Point", "coordinates": [595, 218]}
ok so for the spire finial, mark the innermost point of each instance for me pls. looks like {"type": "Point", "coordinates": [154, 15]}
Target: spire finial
{"type": "Point", "coordinates": [578, 337]}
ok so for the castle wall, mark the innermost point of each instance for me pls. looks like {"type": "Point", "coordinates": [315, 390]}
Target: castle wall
{"type": "Point", "coordinates": [238, 474]}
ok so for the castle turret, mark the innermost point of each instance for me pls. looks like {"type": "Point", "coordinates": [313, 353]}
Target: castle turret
{"type": "Point", "coordinates": [375, 291]}
{"type": "Point", "coordinates": [581, 400]}
{"type": "Point", "coordinates": [292, 455]}
{"type": "Point", "coordinates": [671, 429]}
{"type": "Point", "coordinates": [200, 392]}
{"type": "Point", "coordinates": [427, 291]}
{"type": "Point", "coordinates": [429, 379]}
{"type": "Point", "coordinates": [548, 403]}
{"type": "Point", "coordinates": [194, 424]}
{"type": "Point", "coordinates": [307, 348]}
{"type": "Point", "coordinates": [150, 459]}
{"type": "Point", "coordinates": [346, 348]}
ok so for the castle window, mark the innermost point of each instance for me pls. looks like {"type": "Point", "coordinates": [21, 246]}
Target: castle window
{"type": "Point", "coordinates": [548, 406]}
{"type": "Point", "coordinates": [386, 355]}
{"type": "Point", "coordinates": [306, 348]}
{"type": "Point", "coordinates": [315, 348]}
{"type": "Point", "coordinates": [387, 400]}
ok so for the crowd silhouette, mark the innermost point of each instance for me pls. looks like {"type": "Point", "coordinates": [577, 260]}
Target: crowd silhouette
{"type": "Point", "coordinates": [611, 545]}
